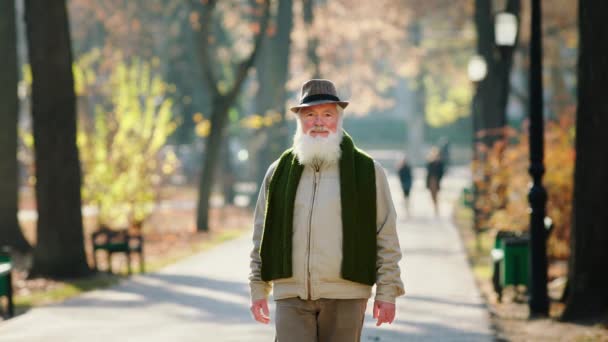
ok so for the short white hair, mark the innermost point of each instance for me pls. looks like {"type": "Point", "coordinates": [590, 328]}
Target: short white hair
{"type": "Point", "coordinates": [340, 109]}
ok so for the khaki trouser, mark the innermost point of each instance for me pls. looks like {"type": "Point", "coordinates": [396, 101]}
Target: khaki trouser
{"type": "Point", "coordinates": [321, 320]}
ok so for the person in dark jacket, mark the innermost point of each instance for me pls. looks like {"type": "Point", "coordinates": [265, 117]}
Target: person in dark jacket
{"type": "Point", "coordinates": [405, 176]}
{"type": "Point", "coordinates": [434, 173]}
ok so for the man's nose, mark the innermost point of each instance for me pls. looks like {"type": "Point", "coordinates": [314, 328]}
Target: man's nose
{"type": "Point", "coordinates": [318, 120]}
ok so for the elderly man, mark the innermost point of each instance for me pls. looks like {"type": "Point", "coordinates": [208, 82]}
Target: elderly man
{"type": "Point", "coordinates": [324, 231]}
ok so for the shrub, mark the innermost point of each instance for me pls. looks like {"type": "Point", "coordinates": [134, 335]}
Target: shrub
{"type": "Point", "coordinates": [125, 120]}
{"type": "Point", "coordinates": [503, 197]}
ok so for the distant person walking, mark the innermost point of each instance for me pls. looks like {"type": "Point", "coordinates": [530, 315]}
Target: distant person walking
{"type": "Point", "coordinates": [405, 176]}
{"type": "Point", "coordinates": [434, 173]}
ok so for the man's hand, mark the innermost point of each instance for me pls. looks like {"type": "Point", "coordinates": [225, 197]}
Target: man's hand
{"type": "Point", "coordinates": [384, 312]}
{"type": "Point", "coordinates": [259, 308]}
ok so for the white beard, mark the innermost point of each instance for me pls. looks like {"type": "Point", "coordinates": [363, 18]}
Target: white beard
{"type": "Point", "coordinates": [317, 150]}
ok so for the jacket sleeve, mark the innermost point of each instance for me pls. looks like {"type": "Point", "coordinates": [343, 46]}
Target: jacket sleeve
{"type": "Point", "coordinates": [259, 289]}
{"type": "Point", "coordinates": [388, 282]}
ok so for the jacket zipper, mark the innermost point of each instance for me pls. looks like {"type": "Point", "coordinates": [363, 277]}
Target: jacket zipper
{"type": "Point", "coordinates": [312, 204]}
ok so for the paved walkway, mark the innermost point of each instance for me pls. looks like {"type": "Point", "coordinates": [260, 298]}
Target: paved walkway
{"type": "Point", "coordinates": [205, 298]}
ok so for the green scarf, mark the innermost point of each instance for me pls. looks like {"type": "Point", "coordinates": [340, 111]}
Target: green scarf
{"type": "Point", "coordinates": [358, 200]}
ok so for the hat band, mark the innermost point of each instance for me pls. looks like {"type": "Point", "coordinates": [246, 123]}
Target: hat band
{"type": "Point", "coordinates": [318, 97]}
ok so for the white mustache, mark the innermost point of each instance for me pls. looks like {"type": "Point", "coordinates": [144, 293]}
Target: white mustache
{"type": "Point", "coordinates": [318, 129]}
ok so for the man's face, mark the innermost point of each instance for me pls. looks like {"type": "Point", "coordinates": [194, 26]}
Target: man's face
{"type": "Point", "coordinates": [319, 120]}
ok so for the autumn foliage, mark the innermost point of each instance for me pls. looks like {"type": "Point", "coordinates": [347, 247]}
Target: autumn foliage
{"type": "Point", "coordinates": [121, 137]}
{"type": "Point", "coordinates": [503, 200]}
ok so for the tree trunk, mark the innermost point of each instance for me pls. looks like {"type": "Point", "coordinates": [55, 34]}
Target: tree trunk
{"type": "Point", "coordinates": [10, 232]}
{"type": "Point", "coordinates": [492, 94]}
{"type": "Point", "coordinates": [504, 64]}
{"type": "Point", "coordinates": [487, 116]}
{"type": "Point", "coordinates": [221, 103]}
{"type": "Point", "coordinates": [587, 278]}
{"type": "Point", "coordinates": [182, 70]}
{"type": "Point", "coordinates": [213, 144]}
{"type": "Point", "coordinates": [416, 121]}
{"type": "Point", "coordinates": [60, 245]}
{"type": "Point", "coordinates": [272, 70]}
{"type": "Point", "coordinates": [313, 40]}
{"type": "Point", "coordinates": [274, 60]}
{"type": "Point", "coordinates": [494, 89]}
{"type": "Point", "coordinates": [264, 101]}
{"type": "Point", "coordinates": [283, 44]}
{"type": "Point", "coordinates": [228, 175]}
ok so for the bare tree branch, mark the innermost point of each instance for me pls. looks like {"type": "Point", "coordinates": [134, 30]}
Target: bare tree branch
{"type": "Point", "coordinates": [244, 66]}
{"type": "Point", "coordinates": [204, 32]}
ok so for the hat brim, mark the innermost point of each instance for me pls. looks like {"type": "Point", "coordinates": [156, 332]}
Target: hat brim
{"type": "Point", "coordinates": [295, 109]}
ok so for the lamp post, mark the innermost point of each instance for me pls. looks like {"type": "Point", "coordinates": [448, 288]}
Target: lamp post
{"type": "Point", "coordinates": [539, 301]}
{"type": "Point", "coordinates": [477, 69]}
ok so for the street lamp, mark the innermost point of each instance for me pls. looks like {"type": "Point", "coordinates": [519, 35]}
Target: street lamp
{"type": "Point", "coordinates": [477, 69]}
{"type": "Point", "coordinates": [505, 37]}
{"type": "Point", "coordinates": [539, 301]}
{"type": "Point", "coordinates": [505, 29]}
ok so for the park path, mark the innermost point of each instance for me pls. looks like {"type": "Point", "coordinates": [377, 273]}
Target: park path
{"type": "Point", "coordinates": [206, 298]}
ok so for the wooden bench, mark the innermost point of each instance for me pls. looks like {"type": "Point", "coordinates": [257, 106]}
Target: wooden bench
{"type": "Point", "coordinates": [118, 241]}
{"type": "Point", "coordinates": [6, 282]}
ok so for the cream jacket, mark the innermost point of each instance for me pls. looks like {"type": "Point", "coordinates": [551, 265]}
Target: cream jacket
{"type": "Point", "coordinates": [317, 242]}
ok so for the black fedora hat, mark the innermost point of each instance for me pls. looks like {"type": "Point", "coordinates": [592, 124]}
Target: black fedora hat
{"type": "Point", "coordinates": [318, 91]}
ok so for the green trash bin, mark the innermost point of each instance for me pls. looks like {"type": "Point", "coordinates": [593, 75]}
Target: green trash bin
{"type": "Point", "coordinates": [510, 260]}
{"type": "Point", "coordinates": [514, 266]}
{"type": "Point", "coordinates": [510, 257]}
{"type": "Point", "coordinates": [467, 197]}
{"type": "Point", "coordinates": [6, 289]}
{"type": "Point", "coordinates": [5, 269]}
